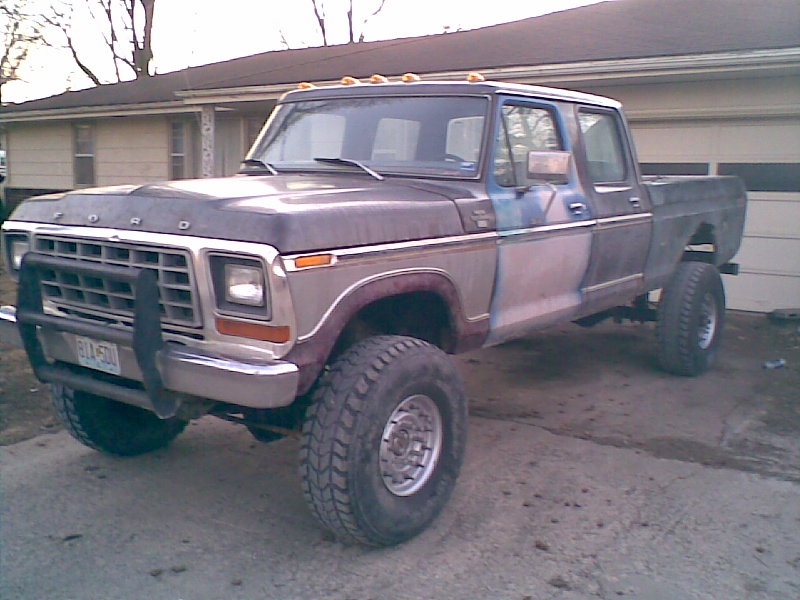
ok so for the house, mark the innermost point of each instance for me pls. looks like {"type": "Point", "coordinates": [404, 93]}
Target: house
{"type": "Point", "coordinates": [709, 86]}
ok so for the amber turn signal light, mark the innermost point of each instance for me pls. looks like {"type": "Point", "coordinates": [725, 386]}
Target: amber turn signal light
{"type": "Point", "coordinates": [254, 331]}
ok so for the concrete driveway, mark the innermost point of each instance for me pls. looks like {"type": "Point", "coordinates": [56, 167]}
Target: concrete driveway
{"type": "Point", "coordinates": [589, 474]}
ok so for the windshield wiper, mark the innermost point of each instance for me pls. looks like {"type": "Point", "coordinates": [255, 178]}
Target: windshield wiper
{"type": "Point", "coordinates": [259, 165]}
{"type": "Point", "coordinates": [354, 163]}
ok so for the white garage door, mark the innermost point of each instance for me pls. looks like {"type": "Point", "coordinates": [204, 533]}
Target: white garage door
{"type": "Point", "coordinates": [766, 154]}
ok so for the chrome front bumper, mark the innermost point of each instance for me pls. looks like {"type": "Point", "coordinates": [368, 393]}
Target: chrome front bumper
{"type": "Point", "coordinates": [169, 373]}
{"type": "Point", "coordinates": [184, 371]}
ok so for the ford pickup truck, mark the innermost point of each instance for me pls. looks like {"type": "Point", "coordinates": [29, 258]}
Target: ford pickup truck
{"type": "Point", "coordinates": [374, 229]}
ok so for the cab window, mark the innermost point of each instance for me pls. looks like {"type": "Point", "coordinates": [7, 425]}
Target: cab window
{"type": "Point", "coordinates": [522, 129]}
{"type": "Point", "coordinates": [604, 149]}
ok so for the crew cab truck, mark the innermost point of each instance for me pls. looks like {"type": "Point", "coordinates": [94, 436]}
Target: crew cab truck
{"type": "Point", "coordinates": [374, 228]}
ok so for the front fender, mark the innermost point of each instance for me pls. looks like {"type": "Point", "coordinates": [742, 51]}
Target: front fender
{"type": "Point", "coordinates": [311, 354]}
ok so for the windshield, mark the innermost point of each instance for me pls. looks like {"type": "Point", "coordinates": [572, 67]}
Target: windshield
{"type": "Point", "coordinates": [427, 136]}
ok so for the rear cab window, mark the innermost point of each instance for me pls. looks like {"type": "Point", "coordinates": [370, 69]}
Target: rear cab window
{"type": "Point", "coordinates": [604, 147]}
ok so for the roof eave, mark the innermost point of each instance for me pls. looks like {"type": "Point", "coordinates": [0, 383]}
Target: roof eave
{"type": "Point", "coordinates": [725, 64]}
{"type": "Point", "coordinates": [659, 67]}
{"type": "Point", "coordinates": [94, 112]}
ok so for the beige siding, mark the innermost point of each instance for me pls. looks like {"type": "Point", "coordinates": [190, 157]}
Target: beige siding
{"type": "Point", "coordinates": [750, 96]}
{"type": "Point", "coordinates": [229, 150]}
{"type": "Point", "coordinates": [40, 156]}
{"type": "Point", "coordinates": [131, 150]}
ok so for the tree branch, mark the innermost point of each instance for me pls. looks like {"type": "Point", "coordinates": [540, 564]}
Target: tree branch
{"type": "Point", "coordinates": [319, 13]}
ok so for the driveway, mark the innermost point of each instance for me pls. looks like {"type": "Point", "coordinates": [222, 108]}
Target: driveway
{"type": "Point", "coordinates": [589, 474]}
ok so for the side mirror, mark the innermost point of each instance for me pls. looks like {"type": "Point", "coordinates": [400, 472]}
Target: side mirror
{"type": "Point", "coordinates": [551, 166]}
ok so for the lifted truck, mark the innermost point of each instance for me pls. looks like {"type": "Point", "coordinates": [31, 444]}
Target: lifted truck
{"type": "Point", "coordinates": [372, 230]}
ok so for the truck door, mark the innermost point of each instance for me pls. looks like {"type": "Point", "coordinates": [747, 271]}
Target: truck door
{"type": "Point", "coordinates": [544, 246]}
{"type": "Point", "coordinates": [620, 207]}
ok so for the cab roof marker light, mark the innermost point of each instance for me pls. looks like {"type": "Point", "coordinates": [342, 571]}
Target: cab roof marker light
{"type": "Point", "coordinates": [378, 79]}
{"type": "Point", "coordinates": [305, 85]}
{"type": "Point", "coordinates": [475, 77]}
{"type": "Point", "coordinates": [409, 77]}
{"type": "Point", "coordinates": [350, 80]}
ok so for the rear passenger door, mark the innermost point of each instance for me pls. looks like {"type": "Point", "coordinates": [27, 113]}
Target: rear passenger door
{"type": "Point", "coordinates": [620, 208]}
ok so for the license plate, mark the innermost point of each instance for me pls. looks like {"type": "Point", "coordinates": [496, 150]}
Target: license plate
{"type": "Point", "coordinates": [101, 356]}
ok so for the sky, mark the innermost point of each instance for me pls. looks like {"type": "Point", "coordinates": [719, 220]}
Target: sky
{"type": "Point", "coordinates": [196, 32]}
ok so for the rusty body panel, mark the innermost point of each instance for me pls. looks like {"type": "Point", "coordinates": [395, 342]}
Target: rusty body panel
{"type": "Point", "coordinates": [292, 213]}
{"type": "Point", "coordinates": [684, 206]}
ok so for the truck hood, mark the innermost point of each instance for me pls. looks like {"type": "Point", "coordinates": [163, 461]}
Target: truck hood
{"type": "Point", "coordinates": [293, 213]}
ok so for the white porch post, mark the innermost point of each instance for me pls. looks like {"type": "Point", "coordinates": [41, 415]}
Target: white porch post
{"type": "Point", "coordinates": [207, 139]}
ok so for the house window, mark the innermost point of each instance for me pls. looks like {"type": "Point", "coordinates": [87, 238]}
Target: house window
{"type": "Point", "coordinates": [178, 162]}
{"type": "Point", "coordinates": [674, 168]}
{"type": "Point", "coordinates": [84, 155]}
{"type": "Point", "coordinates": [765, 177]}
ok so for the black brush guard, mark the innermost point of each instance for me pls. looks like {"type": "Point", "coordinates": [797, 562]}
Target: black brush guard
{"type": "Point", "coordinates": [145, 339]}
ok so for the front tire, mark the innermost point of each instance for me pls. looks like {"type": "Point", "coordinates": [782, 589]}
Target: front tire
{"type": "Point", "coordinates": [384, 440]}
{"type": "Point", "coordinates": [690, 319]}
{"type": "Point", "coordinates": [110, 426]}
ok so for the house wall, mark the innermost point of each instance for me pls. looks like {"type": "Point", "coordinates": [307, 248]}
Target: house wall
{"type": "Point", "coordinates": [131, 150]}
{"type": "Point", "coordinates": [748, 127]}
{"type": "Point", "coordinates": [39, 156]}
{"type": "Point", "coordinates": [127, 150]}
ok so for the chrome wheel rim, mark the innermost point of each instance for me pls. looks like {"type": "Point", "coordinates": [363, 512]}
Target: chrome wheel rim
{"type": "Point", "coordinates": [411, 445]}
{"type": "Point", "coordinates": [708, 322]}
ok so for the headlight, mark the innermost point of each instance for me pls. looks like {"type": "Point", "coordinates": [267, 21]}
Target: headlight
{"type": "Point", "coordinates": [244, 285]}
{"type": "Point", "coordinates": [240, 285]}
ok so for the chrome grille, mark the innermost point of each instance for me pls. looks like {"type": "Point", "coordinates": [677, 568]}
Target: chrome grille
{"type": "Point", "coordinates": [107, 298]}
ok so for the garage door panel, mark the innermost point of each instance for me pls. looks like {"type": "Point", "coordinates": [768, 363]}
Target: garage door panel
{"type": "Point", "coordinates": [770, 255]}
{"type": "Point", "coordinates": [669, 144]}
{"type": "Point", "coordinates": [779, 217]}
{"type": "Point", "coordinates": [761, 292]}
{"type": "Point", "coordinates": [769, 142]}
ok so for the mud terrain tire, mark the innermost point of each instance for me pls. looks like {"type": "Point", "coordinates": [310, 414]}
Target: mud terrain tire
{"type": "Point", "coordinates": [110, 426]}
{"type": "Point", "coordinates": [690, 320]}
{"type": "Point", "coordinates": [383, 440]}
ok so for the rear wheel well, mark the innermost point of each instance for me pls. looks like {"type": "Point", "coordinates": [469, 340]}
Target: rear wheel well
{"type": "Point", "coordinates": [702, 246]}
{"type": "Point", "coordinates": [422, 315]}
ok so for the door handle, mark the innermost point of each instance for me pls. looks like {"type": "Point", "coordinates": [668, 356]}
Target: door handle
{"type": "Point", "coordinates": [635, 201]}
{"type": "Point", "coordinates": [577, 207]}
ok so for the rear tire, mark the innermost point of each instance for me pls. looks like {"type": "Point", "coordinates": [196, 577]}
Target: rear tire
{"type": "Point", "coordinates": [690, 319]}
{"type": "Point", "coordinates": [110, 426]}
{"type": "Point", "coordinates": [384, 440]}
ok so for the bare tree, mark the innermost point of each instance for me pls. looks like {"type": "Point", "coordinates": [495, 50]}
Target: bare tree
{"type": "Point", "coordinates": [21, 31]}
{"type": "Point", "coordinates": [323, 16]}
{"type": "Point", "coordinates": [125, 31]}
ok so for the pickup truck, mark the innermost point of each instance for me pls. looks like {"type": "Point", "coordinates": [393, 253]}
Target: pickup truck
{"type": "Point", "coordinates": [373, 230]}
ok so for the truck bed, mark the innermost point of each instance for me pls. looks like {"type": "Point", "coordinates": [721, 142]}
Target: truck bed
{"type": "Point", "coordinates": [714, 206]}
